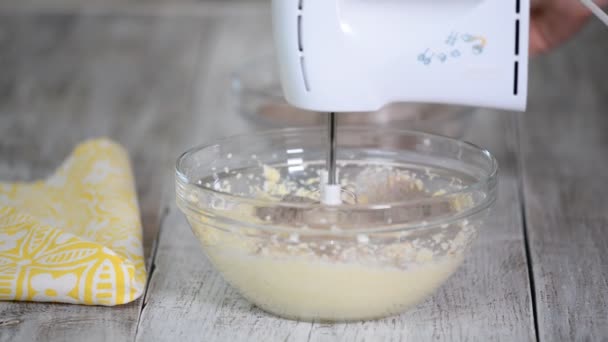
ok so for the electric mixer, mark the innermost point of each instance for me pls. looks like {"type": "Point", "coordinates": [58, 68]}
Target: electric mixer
{"type": "Point", "coordinates": [360, 55]}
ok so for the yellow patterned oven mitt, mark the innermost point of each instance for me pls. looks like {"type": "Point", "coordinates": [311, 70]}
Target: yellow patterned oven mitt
{"type": "Point", "coordinates": [75, 237]}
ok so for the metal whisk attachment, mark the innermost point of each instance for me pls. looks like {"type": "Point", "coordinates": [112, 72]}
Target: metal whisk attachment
{"type": "Point", "coordinates": [331, 191]}
{"type": "Point", "coordinates": [331, 154]}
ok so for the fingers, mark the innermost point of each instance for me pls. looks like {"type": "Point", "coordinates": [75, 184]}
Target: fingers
{"type": "Point", "coordinates": [554, 25]}
{"type": "Point", "coordinates": [538, 42]}
{"type": "Point", "coordinates": [536, 4]}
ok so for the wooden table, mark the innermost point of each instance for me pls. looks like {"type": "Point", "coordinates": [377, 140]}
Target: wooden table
{"type": "Point", "coordinates": [154, 76]}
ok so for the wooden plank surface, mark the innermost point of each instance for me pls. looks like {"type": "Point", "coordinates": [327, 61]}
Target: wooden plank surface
{"type": "Point", "coordinates": [565, 155]}
{"type": "Point", "coordinates": [66, 78]}
{"type": "Point", "coordinates": [190, 8]}
{"type": "Point", "coordinates": [157, 83]}
{"type": "Point", "coordinates": [488, 299]}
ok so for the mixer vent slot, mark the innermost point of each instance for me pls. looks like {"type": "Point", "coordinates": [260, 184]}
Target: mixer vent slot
{"type": "Point", "coordinates": [517, 37]}
{"type": "Point", "coordinates": [301, 46]}
{"type": "Point", "coordinates": [304, 76]}
{"type": "Point", "coordinates": [516, 79]}
{"type": "Point", "coordinates": [517, 47]}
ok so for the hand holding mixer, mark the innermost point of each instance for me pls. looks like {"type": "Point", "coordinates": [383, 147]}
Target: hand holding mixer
{"type": "Point", "coordinates": [360, 55]}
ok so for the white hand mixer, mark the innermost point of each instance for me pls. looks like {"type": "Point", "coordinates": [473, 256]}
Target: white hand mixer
{"type": "Point", "coordinates": [360, 55]}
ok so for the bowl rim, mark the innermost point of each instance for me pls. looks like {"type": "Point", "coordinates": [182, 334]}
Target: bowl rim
{"type": "Point", "coordinates": [487, 183]}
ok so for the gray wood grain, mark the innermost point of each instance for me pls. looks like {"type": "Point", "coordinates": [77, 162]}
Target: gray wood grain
{"type": "Point", "coordinates": [66, 78]}
{"type": "Point", "coordinates": [197, 8]}
{"type": "Point", "coordinates": [488, 299]}
{"type": "Point", "coordinates": [154, 76]}
{"type": "Point", "coordinates": [565, 154]}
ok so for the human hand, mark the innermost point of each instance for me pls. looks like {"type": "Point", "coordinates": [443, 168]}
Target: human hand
{"type": "Point", "coordinates": [554, 21]}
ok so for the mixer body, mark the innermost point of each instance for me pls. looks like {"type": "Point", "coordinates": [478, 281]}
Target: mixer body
{"type": "Point", "coordinates": [359, 55]}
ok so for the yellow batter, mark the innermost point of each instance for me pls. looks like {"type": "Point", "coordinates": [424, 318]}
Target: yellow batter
{"type": "Point", "coordinates": [310, 277]}
{"type": "Point", "coordinates": [303, 289]}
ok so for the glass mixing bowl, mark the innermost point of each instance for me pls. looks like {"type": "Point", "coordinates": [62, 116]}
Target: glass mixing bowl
{"type": "Point", "coordinates": [257, 95]}
{"type": "Point", "coordinates": [413, 204]}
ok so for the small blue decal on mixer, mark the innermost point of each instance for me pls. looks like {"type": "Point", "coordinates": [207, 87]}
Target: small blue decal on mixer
{"type": "Point", "coordinates": [452, 39]}
{"type": "Point", "coordinates": [426, 57]}
{"type": "Point", "coordinates": [459, 45]}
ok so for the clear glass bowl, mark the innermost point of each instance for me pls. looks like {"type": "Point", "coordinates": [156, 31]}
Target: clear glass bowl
{"type": "Point", "coordinates": [414, 203]}
{"type": "Point", "coordinates": [257, 95]}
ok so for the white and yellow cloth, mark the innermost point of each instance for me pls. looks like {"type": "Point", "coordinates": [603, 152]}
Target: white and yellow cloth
{"type": "Point", "coordinates": [75, 237]}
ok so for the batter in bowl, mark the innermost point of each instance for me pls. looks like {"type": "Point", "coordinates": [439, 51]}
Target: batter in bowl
{"type": "Point", "coordinates": [320, 272]}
